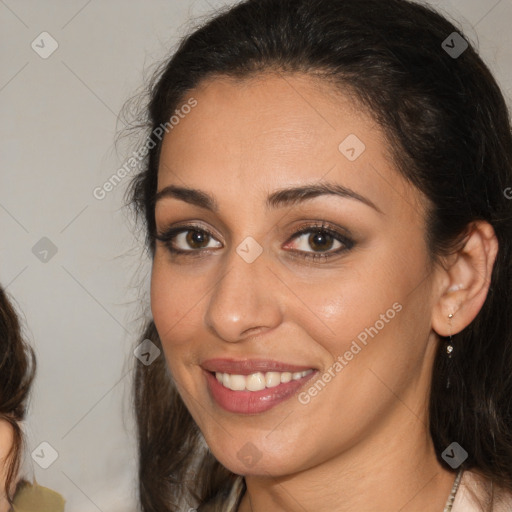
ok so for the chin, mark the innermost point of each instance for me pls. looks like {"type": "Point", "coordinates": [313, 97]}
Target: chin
{"type": "Point", "coordinates": [252, 456]}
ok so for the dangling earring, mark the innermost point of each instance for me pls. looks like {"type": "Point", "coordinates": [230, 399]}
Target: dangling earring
{"type": "Point", "coordinates": [449, 353]}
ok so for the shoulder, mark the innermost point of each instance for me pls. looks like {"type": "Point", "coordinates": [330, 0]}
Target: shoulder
{"type": "Point", "coordinates": [474, 495]}
{"type": "Point", "coordinates": [36, 498]}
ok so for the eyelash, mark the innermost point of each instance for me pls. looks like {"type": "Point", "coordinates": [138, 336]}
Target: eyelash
{"type": "Point", "coordinates": [168, 237]}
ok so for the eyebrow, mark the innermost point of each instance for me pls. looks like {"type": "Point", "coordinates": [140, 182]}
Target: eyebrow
{"type": "Point", "coordinates": [280, 198]}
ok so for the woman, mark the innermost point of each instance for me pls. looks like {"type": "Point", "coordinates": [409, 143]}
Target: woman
{"type": "Point", "coordinates": [331, 255]}
{"type": "Point", "coordinates": [17, 372]}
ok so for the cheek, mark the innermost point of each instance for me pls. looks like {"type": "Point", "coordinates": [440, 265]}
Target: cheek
{"type": "Point", "coordinates": [175, 306]}
{"type": "Point", "coordinates": [6, 442]}
{"type": "Point", "coordinates": [334, 310]}
{"type": "Point", "coordinates": [374, 317]}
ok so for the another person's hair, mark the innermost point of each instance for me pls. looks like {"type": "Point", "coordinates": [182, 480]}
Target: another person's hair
{"type": "Point", "coordinates": [448, 129]}
{"type": "Point", "coordinates": [17, 372]}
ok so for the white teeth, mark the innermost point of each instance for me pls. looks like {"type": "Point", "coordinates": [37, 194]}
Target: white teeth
{"type": "Point", "coordinates": [258, 381]}
{"type": "Point", "coordinates": [286, 377]}
{"type": "Point", "coordinates": [237, 382]}
{"type": "Point", "coordinates": [272, 379]}
{"type": "Point", "coordinates": [255, 381]}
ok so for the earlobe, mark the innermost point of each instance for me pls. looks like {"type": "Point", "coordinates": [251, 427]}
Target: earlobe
{"type": "Point", "coordinates": [465, 281]}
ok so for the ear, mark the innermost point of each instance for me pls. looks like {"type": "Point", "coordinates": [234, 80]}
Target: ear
{"type": "Point", "coordinates": [463, 283]}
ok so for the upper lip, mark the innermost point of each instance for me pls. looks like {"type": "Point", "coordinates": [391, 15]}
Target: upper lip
{"type": "Point", "coordinates": [248, 366]}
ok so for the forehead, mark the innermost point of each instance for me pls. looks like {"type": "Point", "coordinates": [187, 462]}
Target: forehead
{"type": "Point", "coordinates": [250, 136]}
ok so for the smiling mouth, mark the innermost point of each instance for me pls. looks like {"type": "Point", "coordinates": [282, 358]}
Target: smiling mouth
{"type": "Point", "coordinates": [256, 392]}
{"type": "Point", "coordinates": [252, 386]}
{"type": "Point", "coordinates": [258, 381]}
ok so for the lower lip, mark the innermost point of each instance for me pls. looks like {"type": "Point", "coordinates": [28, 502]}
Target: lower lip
{"type": "Point", "coordinates": [253, 402]}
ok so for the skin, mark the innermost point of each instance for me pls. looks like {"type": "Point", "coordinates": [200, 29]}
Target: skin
{"type": "Point", "coordinates": [362, 443]}
{"type": "Point", "coordinates": [6, 440]}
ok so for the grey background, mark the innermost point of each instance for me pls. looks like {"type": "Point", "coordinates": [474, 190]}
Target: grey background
{"type": "Point", "coordinates": [82, 307]}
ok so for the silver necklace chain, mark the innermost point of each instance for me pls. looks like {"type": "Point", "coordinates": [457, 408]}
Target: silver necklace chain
{"type": "Point", "coordinates": [451, 498]}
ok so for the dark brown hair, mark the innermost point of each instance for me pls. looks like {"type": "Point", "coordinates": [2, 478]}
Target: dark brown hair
{"type": "Point", "coordinates": [449, 129]}
{"type": "Point", "coordinates": [17, 372]}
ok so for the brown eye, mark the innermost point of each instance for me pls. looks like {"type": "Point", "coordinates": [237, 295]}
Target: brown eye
{"type": "Point", "coordinates": [180, 240]}
{"type": "Point", "coordinates": [196, 239]}
{"type": "Point", "coordinates": [321, 241]}
{"type": "Point", "coordinates": [315, 240]}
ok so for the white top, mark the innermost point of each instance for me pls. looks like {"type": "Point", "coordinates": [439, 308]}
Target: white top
{"type": "Point", "coordinates": [472, 496]}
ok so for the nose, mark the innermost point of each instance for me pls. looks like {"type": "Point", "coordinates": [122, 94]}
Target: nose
{"type": "Point", "coordinates": [245, 301]}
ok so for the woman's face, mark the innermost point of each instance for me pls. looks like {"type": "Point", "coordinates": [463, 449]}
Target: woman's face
{"type": "Point", "coordinates": [6, 441]}
{"type": "Point", "coordinates": [285, 361]}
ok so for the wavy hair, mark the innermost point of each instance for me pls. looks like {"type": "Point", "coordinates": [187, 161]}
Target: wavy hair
{"type": "Point", "coordinates": [448, 127]}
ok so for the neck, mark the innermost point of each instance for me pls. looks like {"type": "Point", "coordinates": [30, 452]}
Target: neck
{"type": "Point", "coordinates": [396, 469]}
